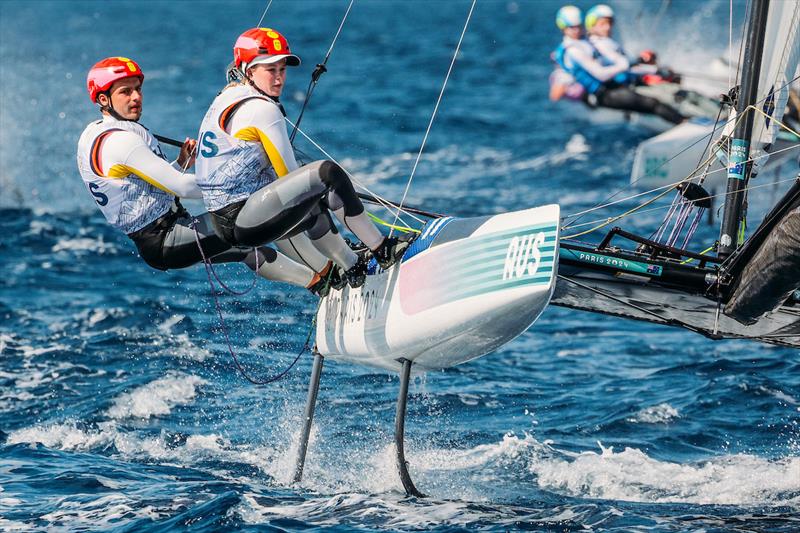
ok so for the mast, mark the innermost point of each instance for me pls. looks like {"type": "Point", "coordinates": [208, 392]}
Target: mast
{"type": "Point", "coordinates": [738, 167]}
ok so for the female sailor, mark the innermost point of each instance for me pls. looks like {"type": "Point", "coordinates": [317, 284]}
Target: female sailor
{"type": "Point", "coordinates": [251, 182]}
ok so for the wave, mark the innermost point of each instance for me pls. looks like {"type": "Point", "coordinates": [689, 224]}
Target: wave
{"type": "Point", "coordinates": [631, 475]}
{"type": "Point", "coordinates": [656, 414]}
{"type": "Point", "coordinates": [157, 398]}
{"type": "Point", "coordinates": [84, 246]}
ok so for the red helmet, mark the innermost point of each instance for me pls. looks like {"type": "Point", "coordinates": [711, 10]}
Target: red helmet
{"type": "Point", "coordinates": [264, 44]}
{"type": "Point", "coordinates": [103, 74]}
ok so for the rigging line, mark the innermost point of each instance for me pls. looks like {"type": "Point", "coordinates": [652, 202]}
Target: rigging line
{"type": "Point", "coordinates": [742, 42]}
{"type": "Point", "coordinates": [435, 109]}
{"type": "Point", "coordinates": [775, 336]}
{"type": "Point", "coordinates": [209, 270]}
{"type": "Point", "coordinates": [690, 175]}
{"type": "Point", "coordinates": [341, 25]}
{"type": "Point", "coordinates": [318, 72]}
{"type": "Point", "coordinates": [730, 119]}
{"type": "Point", "coordinates": [669, 186]}
{"type": "Point", "coordinates": [607, 221]}
{"type": "Point", "coordinates": [673, 185]}
{"type": "Point", "coordinates": [264, 14]}
{"type": "Point", "coordinates": [659, 14]}
{"type": "Point", "coordinates": [748, 188]}
{"type": "Point", "coordinates": [618, 217]}
{"type": "Point", "coordinates": [776, 121]}
{"type": "Point", "coordinates": [667, 321]}
{"type": "Point", "coordinates": [209, 267]}
{"type": "Point", "coordinates": [382, 201]}
{"type": "Point", "coordinates": [708, 145]}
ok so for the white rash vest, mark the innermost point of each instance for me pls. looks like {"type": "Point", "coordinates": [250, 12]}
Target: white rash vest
{"type": "Point", "coordinates": [125, 171]}
{"type": "Point", "coordinates": [242, 146]}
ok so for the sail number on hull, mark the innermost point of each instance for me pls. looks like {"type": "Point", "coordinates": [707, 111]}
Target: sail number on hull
{"type": "Point", "coordinates": [523, 256]}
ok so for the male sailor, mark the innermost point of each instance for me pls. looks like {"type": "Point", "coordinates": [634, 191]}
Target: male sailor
{"type": "Point", "coordinates": [605, 80]}
{"type": "Point", "coordinates": [137, 190]}
{"type": "Point", "coordinates": [251, 183]}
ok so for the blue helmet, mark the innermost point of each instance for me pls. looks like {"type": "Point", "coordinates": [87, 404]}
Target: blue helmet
{"type": "Point", "coordinates": [600, 11]}
{"type": "Point", "coordinates": [568, 16]}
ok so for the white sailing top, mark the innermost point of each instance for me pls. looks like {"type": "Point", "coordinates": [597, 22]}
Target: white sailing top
{"type": "Point", "coordinates": [242, 146]}
{"type": "Point", "coordinates": [126, 173]}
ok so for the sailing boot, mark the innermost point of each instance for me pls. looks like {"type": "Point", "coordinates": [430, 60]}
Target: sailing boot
{"type": "Point", "coordinates": [322, 283]}
{"type": "Point", "coordinates": [357, 274]}
{"type": "Point", "coordinates": [320, 288]}
{"type": "Point", "coordinates": [390, 251]}
{"type": "Point", "coordinates": [337, 280]}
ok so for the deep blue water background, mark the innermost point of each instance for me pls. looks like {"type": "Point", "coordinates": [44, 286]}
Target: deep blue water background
{"type": "Point", "coordinates": [119, 408]}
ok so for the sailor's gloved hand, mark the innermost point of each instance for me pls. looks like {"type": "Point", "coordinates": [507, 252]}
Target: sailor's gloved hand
{"type": "Point", "coordinates": [648, 57]}
{"type": "Point", "coordinates": [188, 153]}
{"type": "Point", "coordinates": [652, 79]}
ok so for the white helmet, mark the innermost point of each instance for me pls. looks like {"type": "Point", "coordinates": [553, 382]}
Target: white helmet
{"type": "Point", "coordinates": [568, 16]}
{"type": "Point", "coordinates": [600, 11]}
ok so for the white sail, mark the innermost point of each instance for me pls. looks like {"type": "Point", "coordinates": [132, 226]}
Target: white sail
{"type": "Point", "coordinates": [779, 65]}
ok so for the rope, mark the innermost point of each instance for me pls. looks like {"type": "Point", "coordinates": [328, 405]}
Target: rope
{"type": "Point", "coordinates": [776, 121]}
{"type": "Point", "coordinates": [618, 217]}
{"type": "Point", "coordinates": [318, 72]}
{"type": "Point", "coordinates": [341, 25]}
{"type": "Point", "coordinates": [404, 229]}
{"type": "Point", "coordinates": [665, 207]}
{"type": "Point", "coordinates": [435, 109]}
{"type": "Point", "coordinates": [733, 119]}
{"type": "Point", "coordinates": [672, 186]}
{"type": "Point", "coordinates": [264, 14]}
{"type": "Point", "coordinates": [223, 326]}
{"type": "Point", "coordinates": [210, 267]}
{"type": "Point", "coordinates": [704, 252]}
{"type": "Point", "coordinates": [382, 201]}
{"type": "Point", "coordinates": [730, 43]}
{"type": "Point", "coordinates": [668, 321]}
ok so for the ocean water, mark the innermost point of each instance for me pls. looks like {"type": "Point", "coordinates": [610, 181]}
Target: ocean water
{"type": "Point", "coordinates": [121, 410]}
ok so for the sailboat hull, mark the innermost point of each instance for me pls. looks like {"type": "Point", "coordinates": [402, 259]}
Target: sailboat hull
{"type": "Point", "coordinates": [464, 288]}
{"type": "Point", "coordinates": [587, 284]}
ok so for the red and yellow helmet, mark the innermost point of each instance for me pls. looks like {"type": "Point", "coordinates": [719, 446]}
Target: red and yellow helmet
{"type": "Point", "coordinates": [103, 74]}
{"type": "Point", "coordinates": [262, 45]}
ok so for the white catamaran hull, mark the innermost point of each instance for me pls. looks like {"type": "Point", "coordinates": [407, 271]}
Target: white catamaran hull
{"type": "Point", "coordinates": [655, 163]}
{"type": "Point", "coordinates": [464, 288]}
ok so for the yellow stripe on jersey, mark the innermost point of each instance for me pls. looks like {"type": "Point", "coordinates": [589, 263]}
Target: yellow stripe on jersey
{"type": "Point", "coordinates": [254, 134]}
{"type": "Point", "coordinates": [123, 171]}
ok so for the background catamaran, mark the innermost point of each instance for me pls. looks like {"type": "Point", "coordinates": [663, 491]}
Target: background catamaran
{"type": "Point", "coordinates": [656, 163]}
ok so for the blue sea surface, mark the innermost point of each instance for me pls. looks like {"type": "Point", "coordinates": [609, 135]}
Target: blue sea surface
{"type": "Point", "coordinates": [121, 410]}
